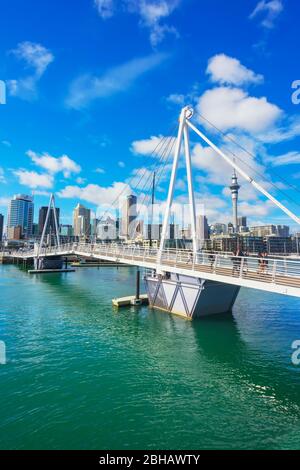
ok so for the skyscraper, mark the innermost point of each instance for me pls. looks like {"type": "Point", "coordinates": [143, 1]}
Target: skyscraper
{"type": "Point", "coordinates": [129, 215]}
{"type": "Point", "coordinates": [82, 221]}
{"type": "Point", "coordinates": [1, 227]}
{"type": "Point", "coordinates": [51, 222]}
{"type": "Point", "coordinates": [234, 188]}
{"type": "Point", "coordinates": [202, 229]}
{"type": "Point", "coordinates": [20, 214]}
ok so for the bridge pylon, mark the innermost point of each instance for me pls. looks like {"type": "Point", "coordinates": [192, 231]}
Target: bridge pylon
{"type": "Point", "coordinates": [39, 262]}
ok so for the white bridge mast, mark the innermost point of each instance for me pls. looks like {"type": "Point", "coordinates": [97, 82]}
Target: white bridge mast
{"type": "Point", "coordinates": [183, 133]}
{"type": "Point", "coordinates": [50, 206]}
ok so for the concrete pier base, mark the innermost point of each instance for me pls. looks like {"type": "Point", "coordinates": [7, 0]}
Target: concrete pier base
{"type": "Point", "coordinates": [190, 297]}
{"type": "Point", "coordinates": [49, 263]}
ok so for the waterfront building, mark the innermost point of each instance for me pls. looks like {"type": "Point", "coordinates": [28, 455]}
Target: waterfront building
{"type": "Point", "coordinates": [279, 245]}
{"type": "Point", "coordinates": [20, 214]}
{"type": "Point", "coordinates": [81, 221]}
{"type": "Point", "coordinates": [270, 230]}
{"type": "Point", "coordinates": [14, 233]}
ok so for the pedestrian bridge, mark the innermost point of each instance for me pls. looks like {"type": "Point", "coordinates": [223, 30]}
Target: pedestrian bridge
{"type": "Point", "coordinates": [280, 276]}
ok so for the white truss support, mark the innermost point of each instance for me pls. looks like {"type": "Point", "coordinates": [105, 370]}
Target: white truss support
{"type": "Point", "coordinates": [244, 174]}
{"type": "Point", "coordinates": [51, 205]}
{"type": "Point", "coordinates": [190, 187]}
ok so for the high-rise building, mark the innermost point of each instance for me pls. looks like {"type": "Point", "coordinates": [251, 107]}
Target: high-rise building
{"type": "Point", "coordinates": [51, 222]}
{"type": "Point", "coordinates": [202, 228]}
{"type": "Point", "coordinates": [128, 217]}
{"type": "Point", "coordinates": [242, 221]}
{"type": "Point", "coordinates": [82, 221]}
{"type": "Point", "coordinates": [35, 230]}
{"type": "Point", "coordinates": [234, 188]}
{"type": "Point", "coordinates": [20, 214]}
{"type": "Point", "coordinates": [1, 227]}
{"type": "Point", "coordinates": [283, 231]}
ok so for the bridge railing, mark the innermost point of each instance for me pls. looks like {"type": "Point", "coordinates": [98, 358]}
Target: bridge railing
{"type": "Point", "coordinates": [261, 268]}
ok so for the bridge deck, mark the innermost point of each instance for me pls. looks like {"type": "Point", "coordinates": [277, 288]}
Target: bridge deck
{"type": "Point", "coordinates": [273, 275]}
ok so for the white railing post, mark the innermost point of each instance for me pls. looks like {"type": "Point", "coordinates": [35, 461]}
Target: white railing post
{"type": "Point", "coordinates": [274, 271]}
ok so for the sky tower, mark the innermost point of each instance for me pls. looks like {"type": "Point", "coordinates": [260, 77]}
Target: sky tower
{"type": "Point", "coordinates": [234, 188]}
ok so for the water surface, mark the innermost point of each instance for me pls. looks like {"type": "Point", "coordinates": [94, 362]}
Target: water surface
{"type": "Point", "coordinates": [82, 375]}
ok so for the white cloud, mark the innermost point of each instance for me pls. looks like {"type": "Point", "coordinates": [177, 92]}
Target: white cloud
{"type": "Point", "coordinates": [254, 210]}
{"type": "Point", "coordinates": [80, 180]}
{"type": "Point", "coordinates": [4, 201]}
{"type": "Point", "coordinates": [36, 57]}
{"type": "Point", "coordinates": [151, 14]}
{"type": "Point", "coordinates": [216, 169]}
{"type": "Point", "coordinates": [121, 164]}
{"type": "Point", "coordinates": [41, 193]}
{"type": "Point", "coordinates": [6, 143]}
{"type": "Point", "coordinates": [100, 171]}
{"type": "Point", "coordinates": [270, 10]}
{"type": "Point", "coordinates": [24, 88]}
{"type": "Point", "coordinates": [33, 179]}
{"type": "Point", "coordinates": [52, 164]}
{"type": "Point", "coordinates": [87, 88]}
{"type": "Point", "coordinates": [152, 146]}
{"type": "Point", "coordinates": [105, 8]}
{"type": "Point", "coordinates": [233, 108]}
{"type": "Point", "coordinates": [290, 158]}
{"type": "Point", "coordinates": [288, 131]}
{"type": "Point", "coordinates": [228, 70]}
{"type": "Point", "coordinates": [176, 98]}
{"type": "Point", "coordinates": [93, 193]}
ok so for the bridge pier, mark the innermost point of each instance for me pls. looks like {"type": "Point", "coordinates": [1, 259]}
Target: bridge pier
{"type": "Point", "coordinates": [190, 297]}
{"type": "Point", "coordinates": [50, 264]}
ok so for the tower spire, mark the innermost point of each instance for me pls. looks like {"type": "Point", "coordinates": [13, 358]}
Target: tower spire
{"type": "Point", "coordinates": [234, 188]}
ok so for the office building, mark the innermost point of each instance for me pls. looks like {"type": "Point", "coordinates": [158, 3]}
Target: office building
{"type": "Point", "coordinates": [128, 217]}
{"type": "Point", "coordinates": [242, 222]}
{"type": "Point", "coordinates": [202, 228]}
{"type": "Point", "coordinates": [82, 221]}
{"type": "Point", "coordinates": [20, 214]}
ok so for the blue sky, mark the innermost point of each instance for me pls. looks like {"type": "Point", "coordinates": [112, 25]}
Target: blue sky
{"type": "Point", "coordinates": [92, 85]}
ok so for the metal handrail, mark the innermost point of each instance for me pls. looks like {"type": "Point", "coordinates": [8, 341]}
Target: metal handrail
{"type": "Point", "coordinates": [218, 263]}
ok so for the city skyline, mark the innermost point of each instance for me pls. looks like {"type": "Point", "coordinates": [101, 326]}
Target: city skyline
{"type": "Point", "coordinates": [85, 151]}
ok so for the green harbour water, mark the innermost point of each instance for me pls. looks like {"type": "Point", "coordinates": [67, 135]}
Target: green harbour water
{"type": "Point", "coordinates": [82, 375]}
